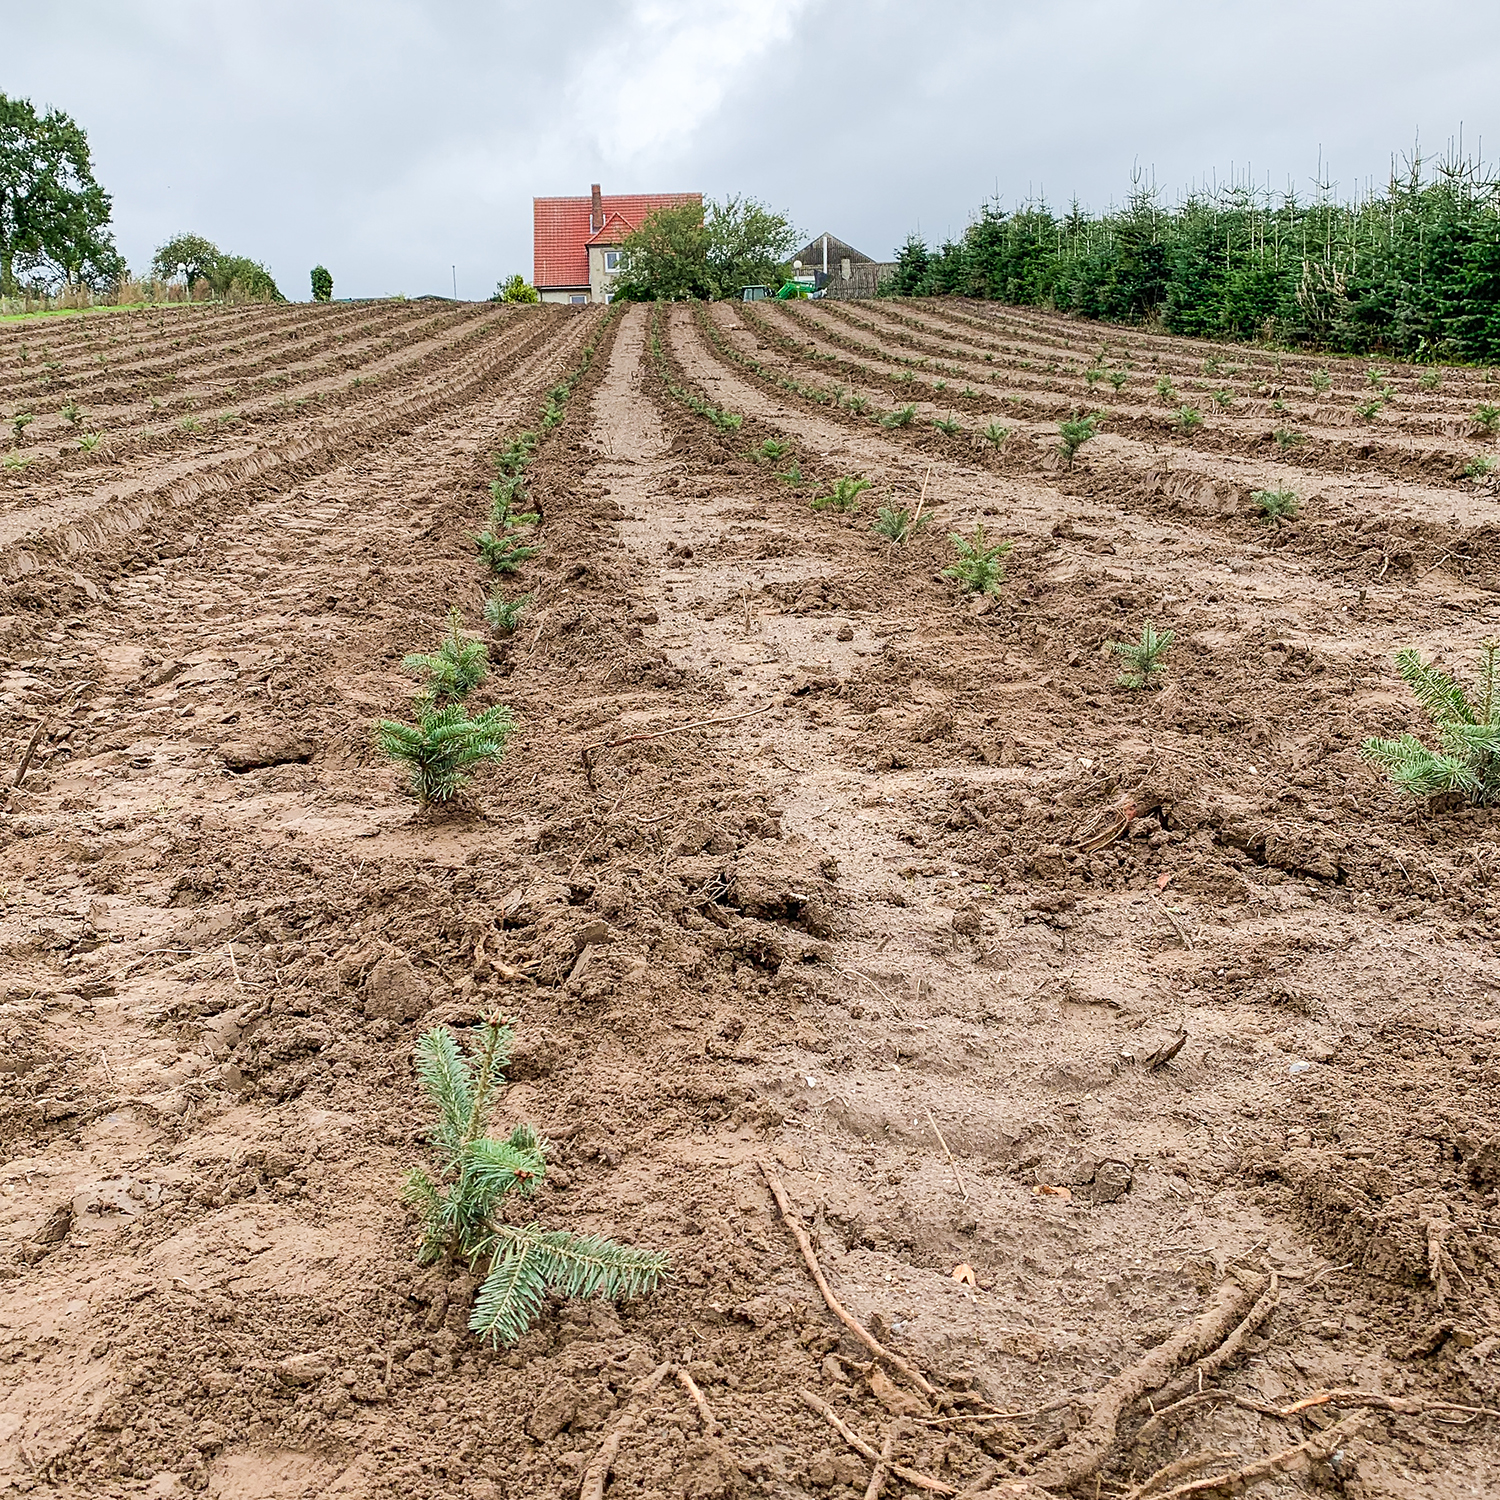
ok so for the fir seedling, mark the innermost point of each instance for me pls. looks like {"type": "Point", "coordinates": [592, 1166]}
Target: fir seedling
{"type": "Point", "coordinates": [187, 424]}
{"type": "Point", "coordinates": [902, 418]}
{"type": "Point", "coordinates": [444, 745]}
{"type": "Point", "coordinates": [996, 435]}
{"type": "Point", "coordinates": [19, 423]}
{"type": "Point", "coordinates": [503, 551]}
{"type": "Point", "coordinates": [72, 414]}
{"type": "Point", "coordinates": [1321, 381]}
{"type": "Point", "coordinates": [845, 494]}
{"type": "Point", "coordinates": [1093, 376]}
{"type": "Point", "coordinates": [897, 525]}
{"type": "Point", "coordinates": [1487, 417]}
{"type": "Point", "coordinates": [504, 615]}
{"type": "Point", "coordinates": [1119, 379]}
{"type": "Point", "coordinates": [16, 461]}
{"type": "Point", "coordinates": [1479, 467]}
{"type": "Point", "coordinates": [461, 1204]}
{"type": "Point", "coordinates": [1286, 439]}
{"type": "Point", "coordinates": [946, 425]}
{"type": "Point", "coordinates": [970, 392]}
{"type": "Point", "coordinates": [1275, 506]}
{"type": "Point", "coordinates": [978, 569]}
{"type": "Point", "coordinates": [859, 405]}
{"type": "Point", "coordinates": [792, 475]}
{"type": "Point", "coordinates": [1429, 380]}
{"type": "Point", "coordinates": [1165, 390]}
{"type": "Point", "coordinates": [1222, 400]}
{"type": "Point", "coordinates": [725, 421]}
{"type": "Point", "coordinates": [1143, 658]}
{"type": "Point", "coordinates": [1072, 435]}
{"type": "Point", "coordinates": [455, 669]}
{"type": "Point", "coordinates": [1468, 727]}
{"type": "Point", "coordinates": [772, 450]}
{"type": "Point", "coordinates": [89, 441]}
{"type": "Point", "coordinates": [1368, 410]}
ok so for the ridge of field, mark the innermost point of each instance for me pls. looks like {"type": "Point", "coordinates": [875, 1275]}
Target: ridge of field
{"type": "Point", "coordinates": [942, 876]}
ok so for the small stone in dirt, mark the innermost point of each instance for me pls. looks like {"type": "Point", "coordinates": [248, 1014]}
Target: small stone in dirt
{"type": "Point", "coordinates": [265, 750]}
{"type": "Point", "coordinates": [302, 1369]}
{"type": "Point", "coordinates": [846, 632]}
{"type": "Point", "coordinates": [418, 1362]}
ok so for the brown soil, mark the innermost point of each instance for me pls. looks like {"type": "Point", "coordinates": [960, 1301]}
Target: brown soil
{"type": "Point", "coordinates": [875, 934]}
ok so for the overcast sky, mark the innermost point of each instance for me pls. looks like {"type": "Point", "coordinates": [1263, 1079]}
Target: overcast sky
{"type": "Point", "coordinates": [392, 139]}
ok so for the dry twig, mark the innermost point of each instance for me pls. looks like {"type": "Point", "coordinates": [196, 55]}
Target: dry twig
{"type": "Point", "coordinates": [946, 1152]}
{"type": "Point", "coordinates": [1178, 1469]}
{"type": "Point", "coordinates": [855, 1441]}
{"type": "Point", "coordinates": [705, 1412]}
{"type": "Point", "coordinates": [834, 1305]}
{"type": "Point", "coordinates": [31, 745]}
{"type": "Point", "coordinates": [882, 1469]}
{"type": "Point", "coordinates": [1212, 1363]}
{"type": "Point", "coordinates": [1299, 1458]}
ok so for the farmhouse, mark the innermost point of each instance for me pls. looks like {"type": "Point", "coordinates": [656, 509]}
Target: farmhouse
{"type": "Point", "coordinates": [576, 241]}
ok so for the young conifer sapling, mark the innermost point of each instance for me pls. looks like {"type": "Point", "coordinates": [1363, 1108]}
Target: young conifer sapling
{"type": "Point", "coordinates": [455, 669]}
{"type": "Point", "coordinates": [442, 748]}
{"type": "Point", "coordinates": [1468, 726]}
{"type": "Point", "coordinates": [979, 568]}
{"type": "Point", "coordinates": [462, 1204]}
{"type": "Point", "coordinates": [1143, 658]}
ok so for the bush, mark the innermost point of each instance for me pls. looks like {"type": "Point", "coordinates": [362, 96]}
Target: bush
{"type": "Point", "coordinates": [978, 569]}
{"type": "Point", "coordinates": [443, 746]}
{"type": "Point", "coordinates": [461, 1205]}
{"type": "Point", "coordinates": [516, 289]}
{"type": "Point", "coordinates": [1468, 761]}
{"type": "Point", "coordinates": [322, 284]}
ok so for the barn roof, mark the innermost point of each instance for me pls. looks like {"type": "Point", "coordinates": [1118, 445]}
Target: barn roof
{"type": "Point", "coordinates": [562, 231]}
{"type": "Point", "coordinates": [811, 254]}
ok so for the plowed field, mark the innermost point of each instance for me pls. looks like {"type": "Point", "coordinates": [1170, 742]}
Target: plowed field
{"type": "Point", "coordinates": [1061, 1012]}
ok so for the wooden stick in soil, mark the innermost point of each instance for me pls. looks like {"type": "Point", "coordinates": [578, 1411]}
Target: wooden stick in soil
{"type": "Point", "coordinates": [31, 745]}
{"type": "Point", "coordinates": [705, 1412]}
{"type": "Point", "coordinates": [882, 1468]}
{"type": "Point", "coordinates": [1194, 1377]}
{"type": "Point", "coordinates": [834, 1305]}
{"type": "Point", "coordinates": [596, 1476]}
{"type": "Point", "coordinates": [855, 1441]}
{"type": "Point", "coordinates": [922, 498]}
{"type": "Point", "coordinates": [946, 1152]}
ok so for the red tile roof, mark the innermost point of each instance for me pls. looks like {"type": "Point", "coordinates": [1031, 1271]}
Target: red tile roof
{"type": "Point", "coordinates": [562, 232]}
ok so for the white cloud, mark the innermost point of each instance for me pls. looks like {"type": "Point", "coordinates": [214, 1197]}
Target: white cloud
{"type": "Point", "coordinates": [648, 85]}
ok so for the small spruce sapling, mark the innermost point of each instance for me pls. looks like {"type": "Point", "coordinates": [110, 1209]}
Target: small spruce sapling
{"type": "Point", "coordinates": [978, 569]}
{"type": "Point", "coordinates": [1073, 434]}
{"type": "Point", "coordinates": [504, 615]}
{"type": "Point", "coordinates": [947, 425]}
{"type": "Point", "coordinates": [896, 526]}
{"type": "Point", "coordinates": [1275, 506]}
{"type": "Point", "coordinates": [1165, 389]}
{"type": "Point", "coordinates": [1321, 381]}
{"type": "Point", "coordinates": [1119, 379]}
{"type": "Point", "coordinates": [1429, 380]}
{"type": "Point", "coordinates": [996, 434]}
{"type": "Point", "coordinates": [1479, 467]}
{"type": "Point", "coordinates": [19, 423]}
{"type": "Point", "coordinates": [1286, 439]}
{"type": "Point", "coordinates": [1143, 658]}
{"type": "Point", "coordinates": [441, 749]}
{"type": "Point", "coordinates": [1468, 727]}
{"type": "Point", "coordinates": [461, 1204]}
{"type": "Point", "coordinates": [772, 450]}
{"type": "Point", "coordinates": [455, 669]}
{"type": "Point", "coordinates": [72, 414]}
{"type": "Point", "coordinates": [844, 496]}
{"type": "Point", "coordinates": [791, 475]}
{"type": "Point", "coordinates": [1188, 419]}
{"type": "Point", "coordinates": [902, 418]}
{"type": "Point", "coordinates": [89, 441]}
{"type": "Point", "coordinates": [1487, 417]}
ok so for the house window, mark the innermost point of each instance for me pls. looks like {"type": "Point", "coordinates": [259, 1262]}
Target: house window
{"type": "Point", "coordinates": [612, 260]}
{"type": "Point", "coordinates": [578, 299]}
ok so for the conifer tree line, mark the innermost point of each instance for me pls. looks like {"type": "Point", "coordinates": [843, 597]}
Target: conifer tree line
{"type": "Point", "coordinates": [1412, 270]}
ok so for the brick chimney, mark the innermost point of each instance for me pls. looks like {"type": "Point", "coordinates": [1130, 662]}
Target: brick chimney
{"type": "Point", "coordinates": [596, 212]}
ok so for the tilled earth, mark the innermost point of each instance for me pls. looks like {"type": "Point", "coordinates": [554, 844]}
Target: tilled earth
{"type": "Point", "coordinates": [1056, 1008]}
